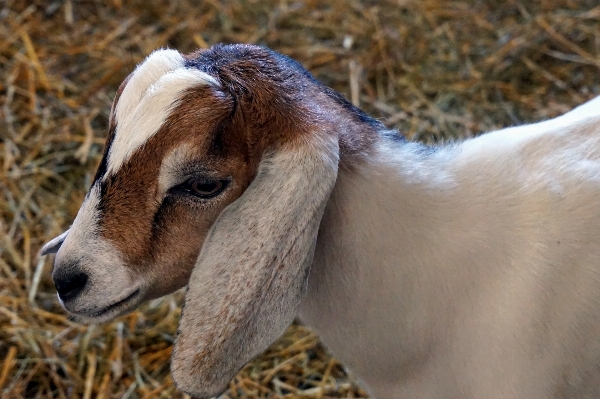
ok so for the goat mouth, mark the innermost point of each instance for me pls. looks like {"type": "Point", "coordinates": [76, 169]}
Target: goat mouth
{"type": "Point", "coordinates": [115, 307]}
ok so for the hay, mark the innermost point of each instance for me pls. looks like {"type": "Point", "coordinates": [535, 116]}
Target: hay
{"type": "Point", "coordinates": [435, 69]}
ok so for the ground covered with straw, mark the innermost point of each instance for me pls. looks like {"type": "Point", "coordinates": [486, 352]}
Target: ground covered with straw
{"type": "Point", "coordinates": [437, 70]}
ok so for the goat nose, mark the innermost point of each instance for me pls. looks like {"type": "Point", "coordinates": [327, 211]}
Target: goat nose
{"type": "Point", "coordinates": [70, 285]}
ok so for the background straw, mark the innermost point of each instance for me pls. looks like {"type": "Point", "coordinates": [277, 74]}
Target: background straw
{"type": "Point", "coordinates": [437, 70]}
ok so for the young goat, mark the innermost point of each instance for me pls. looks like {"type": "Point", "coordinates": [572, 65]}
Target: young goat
{"type": "Point", "coordinates": [465, 271]}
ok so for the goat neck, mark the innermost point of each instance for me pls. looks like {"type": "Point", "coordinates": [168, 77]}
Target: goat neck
{"type": "Point", "coordinates": [449, 254]}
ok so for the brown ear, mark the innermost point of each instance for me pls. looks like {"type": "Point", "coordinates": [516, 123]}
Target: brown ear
{"type": "Point", "coordinates": [252, 272]}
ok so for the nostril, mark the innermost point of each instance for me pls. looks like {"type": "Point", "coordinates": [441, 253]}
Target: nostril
{"type": "Point", "coordinates": [70, 285]}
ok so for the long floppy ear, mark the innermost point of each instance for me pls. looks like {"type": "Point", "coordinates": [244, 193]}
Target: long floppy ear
{"type": "Point", "coordinates": [52, 246]}
{"type": "Point", "coordinates": [253, 268]}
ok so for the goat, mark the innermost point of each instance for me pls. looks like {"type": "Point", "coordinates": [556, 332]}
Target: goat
{"type": "Point", "coordinates": [468, 270]}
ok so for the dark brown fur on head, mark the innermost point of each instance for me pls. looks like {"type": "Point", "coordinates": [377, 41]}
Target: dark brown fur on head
{"type": "Point", "coordinates": [278, 94]}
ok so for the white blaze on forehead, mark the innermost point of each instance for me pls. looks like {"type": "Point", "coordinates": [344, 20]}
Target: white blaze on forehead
{"type": "Point", "coordinates": [148, 72]}
{"type": "Point", "coordinates": [147, 101]}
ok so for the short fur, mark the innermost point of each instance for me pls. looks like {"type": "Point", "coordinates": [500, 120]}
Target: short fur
{"type": "Point", "coordinates": [254, 267]}
{"type": "Point", "coordinates": [466, 271]}
{"type": "Point", "coordinates": [147, 101]}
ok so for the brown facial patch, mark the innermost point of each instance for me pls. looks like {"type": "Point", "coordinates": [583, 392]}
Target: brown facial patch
{"type": "Point", "coordinates": [265, 101]}
{"type": "Point", "coordinates": [160, 234]}
{"type": "Point", "coordinates": [287, 99]}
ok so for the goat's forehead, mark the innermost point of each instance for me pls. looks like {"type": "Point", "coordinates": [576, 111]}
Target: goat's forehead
{"type": "Point", "coordinates": [148, 99]}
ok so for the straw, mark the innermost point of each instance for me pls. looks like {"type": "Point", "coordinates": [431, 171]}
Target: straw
{"type": "Point", "coordinates": [437, 70]}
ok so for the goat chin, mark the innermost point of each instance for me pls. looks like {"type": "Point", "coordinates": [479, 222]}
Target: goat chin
{"type": "Point", "coordinates": [468, 270]}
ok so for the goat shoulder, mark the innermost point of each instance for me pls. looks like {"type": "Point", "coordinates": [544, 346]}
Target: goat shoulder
{"type": "Point", "coordinates": [474, 266]}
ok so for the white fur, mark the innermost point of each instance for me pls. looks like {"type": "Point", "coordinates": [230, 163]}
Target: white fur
{"type": "Point", "coordinates": [473, 272]}
{"type": "Point", "coordinates": [109, 280]}
{"type": "Point", "coordinates": [147, 73]}
{"type": "Point", "coordinates": [147, 101]}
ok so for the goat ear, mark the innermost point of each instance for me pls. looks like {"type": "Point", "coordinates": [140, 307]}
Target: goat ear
{"type": "Point", "coordinates": [52, 246]}
{"type": "Point", "coordinates": [253, 268]}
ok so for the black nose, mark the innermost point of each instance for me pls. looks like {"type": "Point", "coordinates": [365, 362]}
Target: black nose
{"type": "Point", "coordinates": [70, 285]}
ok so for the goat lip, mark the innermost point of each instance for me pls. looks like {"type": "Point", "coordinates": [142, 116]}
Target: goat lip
{"type": "Point", "coordinates": [116, 307]}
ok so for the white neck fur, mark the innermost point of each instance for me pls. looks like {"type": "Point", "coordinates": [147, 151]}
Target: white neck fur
{"type": "Point", "coordinates": [433, 270]}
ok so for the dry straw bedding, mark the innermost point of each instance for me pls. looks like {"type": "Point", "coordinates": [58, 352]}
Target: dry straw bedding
{"type": "Point", "coordinates": [434, 69]}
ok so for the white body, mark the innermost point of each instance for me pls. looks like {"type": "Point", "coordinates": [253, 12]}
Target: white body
{"type": "Point", "coordinates": [468, 271]}
{"type": "Point", "coordinates": [472, 272]}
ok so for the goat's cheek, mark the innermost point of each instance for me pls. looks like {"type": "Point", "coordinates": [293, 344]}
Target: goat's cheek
{"type": "Point", "coordinates": [176, 250]}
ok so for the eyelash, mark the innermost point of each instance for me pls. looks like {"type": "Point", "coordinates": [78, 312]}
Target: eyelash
{"type": "Point", "coordinates": [188, 187]}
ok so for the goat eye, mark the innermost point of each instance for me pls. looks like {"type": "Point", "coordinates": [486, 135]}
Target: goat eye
{"type": "Point", "coordinates": [200, 187]}
{"type": "Point", "coordinates": [205, 188]}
